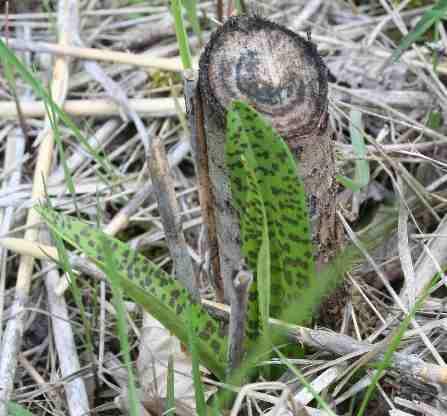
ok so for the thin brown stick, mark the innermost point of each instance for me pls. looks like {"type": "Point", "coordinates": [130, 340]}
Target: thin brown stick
{"type": "Point", "coordinates": [238, 318]}
{"type": "Point", "coordinates": [170, 216]}
{"type": "Point", "coordinates": [220, 10]}
{"type": "Point", "coordinates": [122, 218]}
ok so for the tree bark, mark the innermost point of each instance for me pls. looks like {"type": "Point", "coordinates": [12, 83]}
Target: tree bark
{"type": "Point", "coordinates": [283, 77]}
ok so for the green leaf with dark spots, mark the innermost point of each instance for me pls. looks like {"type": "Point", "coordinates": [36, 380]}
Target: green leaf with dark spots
{"type": "Point", "coordinates": [276, 192]}
{"type": "Point", "coordinates": [240, 159]}
{"type": "Point", "coordinates": [160, 294]}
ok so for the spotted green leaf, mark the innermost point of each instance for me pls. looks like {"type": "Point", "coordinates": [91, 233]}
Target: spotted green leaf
{"type": "Point", "coordinates": [160, 294]}
{"type": "Point", "coordinates": [276, 193]}
{"type": "Point", "coordinates": [254, 233]}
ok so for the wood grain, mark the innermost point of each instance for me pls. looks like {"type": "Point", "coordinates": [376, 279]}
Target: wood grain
{"type": "Point", "coordinates": [279, 73]}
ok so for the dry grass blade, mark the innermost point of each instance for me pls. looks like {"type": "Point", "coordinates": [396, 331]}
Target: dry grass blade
{"type": "Point", "coordinates": [158, 107]}
{"type": "Point", "coordinates": [121, 86]}
{"type": "Point", "coordinates": [12, 338]}
{"type": "Point", "coordinates": [90, 54]}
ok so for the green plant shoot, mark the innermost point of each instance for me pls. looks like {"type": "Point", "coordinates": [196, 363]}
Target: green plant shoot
{"type": "Point", "coordinates": [275, 233]}
{"type": "Point", "coordinates": [430, 18]}
{"type": "Point", "coordinates": [149, 286]}
{"type": "Point", "coordinates": [271, 202]}
{"type": "Point", "coordinates": [192, 13]}
{"type": "Point", "coordinates": [361, 172]}
{"type": "Point", "coordinates": [182, 38]}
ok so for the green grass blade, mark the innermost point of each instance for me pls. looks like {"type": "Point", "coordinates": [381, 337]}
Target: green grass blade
{"type": "Point", "coordinates": [349, 183]}
{"type": "Point", "coordinates": [39, 90]}
{"type": "Point", "coordinates": [429, 18]}
{"type": "Point", "coordinates": [110, 269]}
{"type": "Point", "coordinates": [361, 173]}
{"type": "Point", "coordinates": [15, 409]}
{"type": "Point", "coordinates": [322, 404]}
{"type": "Point", "coordinates": [199, 393]}
{"type": "Point", "coordinates": [434, 120]}
{"type": "Point", "coordinates": [156, 291]}
{"type": "Point", "coordinates": [302, 310]}
{"type": "Point", "coordinates": [358, 144]}
{"type": "Point", "coordinates": [170, 387]}
{"type": "Point", "coordinates": [191, 11]}
{"type": "Point", "coordinates": [240, 7]}
{"type": "Point", "coordinates": [9, 74]}
{"type": "Point", "coordinates": [52, 117]}
{"type": "Point", "coordinates": [52, 13]}
{"type": "Point", "coordinates": [394, 344]}
{"type": "Point", "coordinates": [182, 38]}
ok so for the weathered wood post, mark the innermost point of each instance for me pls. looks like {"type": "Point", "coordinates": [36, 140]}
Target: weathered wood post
{"type": "Point", "coordinates": [282, 76]}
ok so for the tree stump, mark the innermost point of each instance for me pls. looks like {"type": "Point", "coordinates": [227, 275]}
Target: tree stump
{"type": "Point", "coordinates": [283, 77]}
